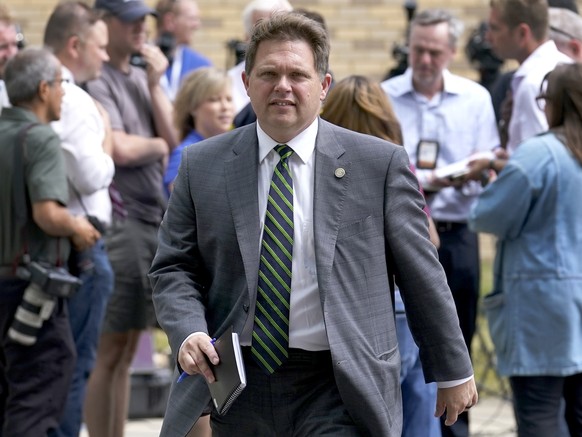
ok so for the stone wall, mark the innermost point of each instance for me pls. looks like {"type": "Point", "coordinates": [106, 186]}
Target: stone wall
{"type": "Point", "coordinates": [363, 32]}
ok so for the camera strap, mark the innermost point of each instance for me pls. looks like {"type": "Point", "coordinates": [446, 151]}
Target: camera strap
{"type": "Point", "coordinates": [92, 219]}
{"type": "Point", "coordinates": [20, 202]}
{"type": "Point", "coordinates": [78, 196]}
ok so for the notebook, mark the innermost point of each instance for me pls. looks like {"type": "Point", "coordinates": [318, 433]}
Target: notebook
{"type": "Point", "coordinates": [229, 374]}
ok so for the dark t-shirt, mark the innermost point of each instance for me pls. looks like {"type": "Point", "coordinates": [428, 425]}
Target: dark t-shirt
{"type": "Point", "coordinates": [45, 176]}
{"type": "Point", "coordinates": [127, 100]}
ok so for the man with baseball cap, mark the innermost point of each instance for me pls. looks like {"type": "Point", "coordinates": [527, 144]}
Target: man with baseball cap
{"type": "Point", "coordinates": [143, 135]}
{"type": "Point", "coordinates": [126, 10]}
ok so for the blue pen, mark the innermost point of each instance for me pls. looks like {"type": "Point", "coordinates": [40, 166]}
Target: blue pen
{"type": "Point", "coordinates": [185, 375]}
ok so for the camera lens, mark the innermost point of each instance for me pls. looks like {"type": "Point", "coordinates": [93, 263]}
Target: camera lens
{"type": "Point", "coordinates": [35, 308]}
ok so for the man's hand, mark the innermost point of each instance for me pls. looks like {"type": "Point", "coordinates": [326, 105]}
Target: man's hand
{"type": "Point", "coordinates": [446, 182]}
{"type": "Point", "coordinates": [455, 400]}
{"type": "Point", "coordinates": [476, 168]}
{"type": "Point", "coordinates": [195, 353]}
{"type": "Point", "coordinates": [85, 235]}
{"type": "Point", "coordinates": [157, 63]}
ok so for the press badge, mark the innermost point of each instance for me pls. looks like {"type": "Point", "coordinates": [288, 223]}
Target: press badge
{"type": "Point", "coordinates": [427, 152]}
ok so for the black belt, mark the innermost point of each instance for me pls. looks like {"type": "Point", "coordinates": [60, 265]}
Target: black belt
{"type": "Point", "coordinates": [449, 226]}
{"type": "Point", "coordinates": [312, 358]}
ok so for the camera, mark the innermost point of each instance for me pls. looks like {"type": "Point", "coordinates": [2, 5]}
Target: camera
{"type": "Point", "coordinates": [137, 60]}
{"type": "Point", "coordinates": [54, 281]}
{"type": "Point", "coordinates": [97, 224]}
{"type": "Point", "coordinates": [167, 44]}
{"type": "Point", "coordinates": [36, 307]}
{"type": "Point", "coordinates": [38, 302]}
{"type": "Point", "coordinates": [238, 50]}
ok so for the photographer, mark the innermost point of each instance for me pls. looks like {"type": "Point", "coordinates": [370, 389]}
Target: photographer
{"type": "Point", "coordinates": [37, 353]}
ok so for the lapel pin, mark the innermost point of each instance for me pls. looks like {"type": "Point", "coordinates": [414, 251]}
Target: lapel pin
{"type": "Point", "coordinates": [339, 173]}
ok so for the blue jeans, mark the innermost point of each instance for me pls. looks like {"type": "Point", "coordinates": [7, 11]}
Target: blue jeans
{"type": "Point", "coordinates": [86, 312]}
{"type": "Point", "coordinates": [418, 398]}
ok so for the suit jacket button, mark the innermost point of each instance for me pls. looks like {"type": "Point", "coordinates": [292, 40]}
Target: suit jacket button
{"type": "Point", "coordinates": [246, 307]}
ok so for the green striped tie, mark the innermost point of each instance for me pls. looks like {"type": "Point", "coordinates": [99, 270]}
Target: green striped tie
{"type": "Point", "coordinates": [270, 344]}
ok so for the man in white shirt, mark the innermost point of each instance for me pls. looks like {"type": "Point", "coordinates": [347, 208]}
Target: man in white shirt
{"type": "Point", "coordinates": [290, 230]}
{"type": "Point", "coordinates": [518, 29]}
{"type": "Point", "coordinates": [8, 48]}
{"type": "Point", "coordinates": [78, 37]}
{"type": "Point", "coordinates": [445, 119]}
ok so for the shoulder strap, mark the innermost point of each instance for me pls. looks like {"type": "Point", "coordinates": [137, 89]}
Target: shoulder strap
{"type": "Point", "coordinates": [20, 201]}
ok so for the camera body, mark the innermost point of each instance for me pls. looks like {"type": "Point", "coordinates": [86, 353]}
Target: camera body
{"type": "Point", "coordinates": [167, 44]}
{"type": "Point", "coordinates": [96, 224]}
{"type": "Point", "coordinates": [137, 60]}
{"type": "Point", "coordinates": [238, 49]}
{"type": "Point", "coordinates": [54, 281]}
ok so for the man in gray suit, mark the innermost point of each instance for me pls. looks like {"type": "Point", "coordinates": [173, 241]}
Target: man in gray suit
{"type": "Point", "coordinates": [355, 220]}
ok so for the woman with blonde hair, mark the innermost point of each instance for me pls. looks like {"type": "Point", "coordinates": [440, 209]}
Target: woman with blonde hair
{"type": "Point", "coordinates": [361, 105]}
{"type": "Point", "coordinates": [203, 108]}
{"type": "Point", "coordinates": [535, 314]}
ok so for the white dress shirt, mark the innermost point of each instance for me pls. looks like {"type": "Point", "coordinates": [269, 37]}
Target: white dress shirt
{"type": "Point", "coordinates": [527, 119]}
{"type": "Point", "coordinates": [306, 325]}
{"type": "Point", "coordinates": [460, 118]}
{"type": "Point", "coordinates": [89, 169]}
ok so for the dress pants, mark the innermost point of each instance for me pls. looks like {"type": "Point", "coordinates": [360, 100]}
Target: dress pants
{"type": "Point", "coordinates": [459, 256]}
{"type": "Point", "coordinates": [300, 399]}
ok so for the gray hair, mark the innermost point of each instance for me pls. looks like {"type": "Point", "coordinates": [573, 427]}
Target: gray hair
{"type": "Point", "coordinates": [25, 71]}
{"type": "Point", "coordinates": [262, 6]}
{"type": "Point", "coordinates": [430, 17]}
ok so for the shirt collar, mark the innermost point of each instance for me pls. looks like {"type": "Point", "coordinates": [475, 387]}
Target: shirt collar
{"type": "Point", "coordinates": [451, 86]}
{"type": "Point", "coordinates": [303, 144]}
{"type": "Point", "coordinates": [532, 62]}
{"type": "Point", "coordinates": [67, 75]}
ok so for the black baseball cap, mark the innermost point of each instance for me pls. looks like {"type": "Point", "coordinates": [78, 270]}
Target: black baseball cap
{"type": "Point", "coordinates": [125, 10]}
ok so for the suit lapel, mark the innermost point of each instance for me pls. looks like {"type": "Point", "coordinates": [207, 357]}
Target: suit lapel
{"type": "Point", "coordinates": [332, 177]}
{"type": "Point", "coordinates": [241, 187]}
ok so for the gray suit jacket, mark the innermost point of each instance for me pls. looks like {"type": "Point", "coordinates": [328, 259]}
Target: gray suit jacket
{"type": "Point", "coordinates": [205, 272]}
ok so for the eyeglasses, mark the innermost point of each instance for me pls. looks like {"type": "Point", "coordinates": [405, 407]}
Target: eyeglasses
{"type": "Point", "coordinates": [60, 81]}
{"type": "Point", "coordinates": [541, 101]}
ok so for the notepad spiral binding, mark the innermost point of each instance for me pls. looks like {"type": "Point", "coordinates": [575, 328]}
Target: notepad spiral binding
{"type": "Point", "coordinates": [230, 400]}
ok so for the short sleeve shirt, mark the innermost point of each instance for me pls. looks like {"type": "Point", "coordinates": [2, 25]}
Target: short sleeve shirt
{"type": "Point", "coordinates": [126, 98]}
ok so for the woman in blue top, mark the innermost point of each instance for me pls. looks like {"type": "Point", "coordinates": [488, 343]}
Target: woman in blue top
{"type": "Point", "coordinates": [535, 316]}
{"type": "Point", "coordinates": [203, 108]}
